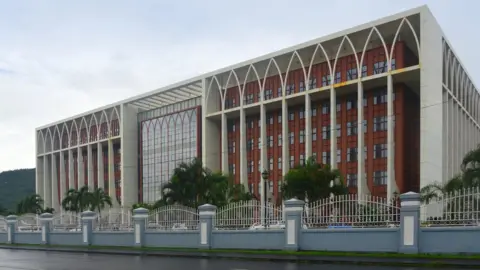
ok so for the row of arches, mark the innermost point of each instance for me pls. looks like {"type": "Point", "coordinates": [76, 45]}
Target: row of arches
{"type": "Point", "coordinates": [90, 128]}
{"type": "Point", "coordinates": [457, 81]}
{"type": "Point", "coordinates": [349, 52]}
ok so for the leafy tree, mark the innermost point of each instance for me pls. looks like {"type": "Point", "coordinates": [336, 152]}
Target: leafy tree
{"type": "Point", "coordinates": [192, 185]}
{"type": "Point", "coordinates": [48, 210]}
{"type": "Point", "coordinates": [77, 201]}
{"type": "Point", "coordinates": [30, 204]}
{"type": "Point", "coordinates": [3, 211]}
{"type": "Point", "coordinates": [98, 199]}
{"type": "Point", "coordinates": [15, 185]}
{"type": "Point", "coordinates": [312, 181]}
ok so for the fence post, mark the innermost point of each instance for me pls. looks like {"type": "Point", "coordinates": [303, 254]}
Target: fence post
{"type": "Point", "coordinates": [140, 216]}
{"type": "Point", "coordinates": [409, 222]}
{"type": "Point", "coordinates": [46, 222]}
{"type": "Point", "coordinates": [293, 223]}
{"type": "Point", "coordinates": [207, 216]}
{"type": "Point", "coordinates": [11, 228]}
{"type": "Point", "coordinates": [87, 227]}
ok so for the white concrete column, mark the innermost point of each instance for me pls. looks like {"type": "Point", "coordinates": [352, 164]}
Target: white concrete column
{"type": "Point", "coordinates": [71, 170]}
{"type": "Point", "coordinates": [90, 166]}
{"type": "Point", "coordinates": [63, 177]}
{"type": "Point", "coordinates": [111, 174]}
{"type": "Point", "coordinates": [100, 175]}
{"type": "Point", "coordinates": [39, 178]}
{"type": "Point", "coordinates": [80, 174]}
{"type": "Point", "coordinates": [308, 126]}
{"type": "Point", "coordinates": [333, 127]}
{"type": "Point", "coordinates": [362, 186]}
{"type": "Point", "coordinates": [263, 156]}
{"type": "Point", "coordinates": [47, 190]}
{"type": "Point", "coordinates": [54, 184]}
{"type": "Point", "coordinates": [285, 143]}
{"type": "Point", "coordinates": [243, 150]}
{"type": "Point", "coordinates": [391, 183]}
{"type": "Point", "coordinates": [224, 150]}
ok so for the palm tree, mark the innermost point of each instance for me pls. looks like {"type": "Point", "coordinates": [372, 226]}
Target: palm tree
{"type": "Point", "coordinates": [99, 199]}
{"type": "Point", "coordinates": [77, 200]}
{"type": "Point", "coordinates": [311, 181]}
{"type": "Point", "coordinates": [30, 204]}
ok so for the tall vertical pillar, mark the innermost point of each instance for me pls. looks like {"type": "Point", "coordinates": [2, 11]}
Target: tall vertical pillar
{"type": "Point", "coordinates": [409, 222]}
{"type": "Point", "coordinates": [391, 183]}
{"type": "Point", "coordinates": [362, 187]}
{"type": "Point", "coordinates": [224, 138]}
{"type": "Point", "coordinates": [63, 179]}
{"type": "Point", "coordinates": [308, 126]}
{"type": "Point", "coordinates": [263, 157]}
{"type": "Point", "coordinates": [40, 174]}
{"type": "Point", "coordinates": [293, 223]}
{"type": "Point", "coordinates": [80, 173]}
{"type": "Point", "coordinates": [47, 190]}
{"type": "Point", "coordinates": [71, 170]}
{"type": "Point", "coordinates": [54, 183]}
{"type": "Point", "coordinates": [101, 183]}
{"type": "Point", "coordinates": [333, 125]}
{"type": "Point", "coordinates": [285, 143]}
{"type": "Point", "coordinates": [111, 174]}
{"type": "Point", "coordinates": [90, 166]}
{"type": "Point", "coordinates": [206, 214]}
{"type": "Point", "coordinates": [243, 150]}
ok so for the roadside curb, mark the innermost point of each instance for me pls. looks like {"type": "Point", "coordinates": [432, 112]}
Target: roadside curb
{"type": "Point", "coordinates": [469, 263]}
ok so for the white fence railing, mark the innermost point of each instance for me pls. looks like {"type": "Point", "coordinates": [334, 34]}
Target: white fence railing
{"type": "Point", "coordinates": [173, 218]}
{"type": "Point", "coordinates": [352, 211]}
{"type": "Point", "coordinates": [458, 208]}
{"type": "Point", "coordinates": [249, 215]}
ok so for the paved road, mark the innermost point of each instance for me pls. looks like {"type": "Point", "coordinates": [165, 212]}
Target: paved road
{"type": "Point", "coordinates": [43, 260]}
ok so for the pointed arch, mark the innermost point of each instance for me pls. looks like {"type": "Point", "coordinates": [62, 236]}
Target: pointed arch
{"type": "Point", "coordinates": [114, 123]}
{"type": "Point", "coordinates": [294, 55]}
{"type": "Point", "coordinates": [238, 95]}
{"type": "Point", "coordinates": [65, 136]}
{"type": "Point", "coordinates": [209, 88]}
{"type": "Point", "coordinates": [379, 35]}
{"type": "Point", "coordinates": [354, 53]}
{"type": "Point", "coordinates": [397, 34]}
{"type": "Point", "coordinates": [330, 72]}
{"type": "Point", "coordinates": [104, 127]}
{"type": "Point", "coordinates": [211, 99]}
{"type": "Point", "coordinates": [56, 138]}
{"type": "Point", "coordinates": [40, 142]}
{"type": "Point", "coordinates": [48, 141]}
{"type": "Point", "coordinates": [83, 131]}
{"type": "Point", "coordinates": [74, 134]}
{"type": "Point", "coordinates": [93, 128]}
{"type": "Point", "coordinates": [265, 77]}
{"type": "Point", "coordinates": [244, 86]}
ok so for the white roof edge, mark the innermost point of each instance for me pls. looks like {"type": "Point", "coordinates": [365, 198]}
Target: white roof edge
{"type": "Point", "coordinates": [312, 42]}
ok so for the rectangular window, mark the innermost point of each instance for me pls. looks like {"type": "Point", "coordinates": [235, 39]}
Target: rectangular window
{"type": "Point", "coordinates": [279, 92]}
{"type": "Point", "coordinates": [379, 67]}
{"type": "Point", "coordinates": [338, 77]}
{"type": "Point", "coordinates": [291, 116]}
{"type": "Point", "coordinates": [326, 157]}
{"type": "Point", "coordinates": [270, 164]}
{"type": "Point", "coordinates": [259, 143]}
{"type": "Point", "coordinates": [270, 119]}
{"type": "Point", "coordinates": [352, 180]}
{"type": "Point", "coordinates": [351, 74]}
{"type": "Point", "coordinates": [364, 72]}
{"type": "Point", "coordinates": [326, 132]}
{"type": "Point", "coordinates": [314, 134]}
{"type": "Point", "coordinates": [339, 106]}
{"type": "Point", "coordinates": [314, 111]}
{"type": "Point", "coordinates": [270, 141]}
{"type": "Point", "coordinates": [231, 168]}
{"type": "Point", "coordinates": [268, 94]}
{"type": "Point", "coordinates": [291, 137]}
{"type": "Point", "coordinates": [231, 147]}
{"type": "Point", "coordinates": [279, 118]}
{"type": "Point", "coordinates": [379, 123]}
{"type": "Point", "coordinates": [339, 155]}
{"type": "Point", "coordinates": [249, 144]}
{"type": "Point", "coordinates": [326, 80]}
{"type": "Point", "coordinates": [260, 169]}
{"type": "Point", "coordinates": [302, 86]}
{"type": "Point", "coordinates": [301, 113]}
{"type": "Point", "coordinates": [380, 178]}
{"type": "Point", "coordinates": [351, 128]}
{"type": "Point", "coordinates": [302, 159]}
{"type": "Point", "coordinates": [352, 154]}
{"type": "Point", "coordinates": [279, 164]}
{"type": "Point", "coordinates": [250, 167]}
{"type": "Point", "coordinates": [302, 136]}
{"type": "Point", "coordinates": [380, 150]}
{"type": "Point", "coordinates": [326, 108]}
{"type": "Point", "coordinates": [339, 130]}
{"type": "Point", "coordinates": [313, 83]}
{"type": "Point", "coordinates": [364, 126]}
{"type": "Point", "coordinates": [351, 104]}
{"type": "Point", "coordinates": [288, 90]}
{"type": "Point", "coordinates": [292, 162]}
{"type": "Point", "coordinates": [279, 138]}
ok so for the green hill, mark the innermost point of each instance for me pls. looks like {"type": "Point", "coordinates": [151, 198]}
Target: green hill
{"type": "Point", "coordinates": [15, 185]}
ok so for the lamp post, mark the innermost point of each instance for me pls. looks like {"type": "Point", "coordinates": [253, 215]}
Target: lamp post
{"type": "Point", "coordinates": [264, 195]}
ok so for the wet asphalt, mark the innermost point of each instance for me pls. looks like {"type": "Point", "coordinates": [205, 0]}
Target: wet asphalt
{"type": "Point", "coordinates": [45, 260]}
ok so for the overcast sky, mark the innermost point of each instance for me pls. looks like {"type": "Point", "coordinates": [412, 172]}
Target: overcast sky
{"type": "Point", "coordinates": [60, 58]}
